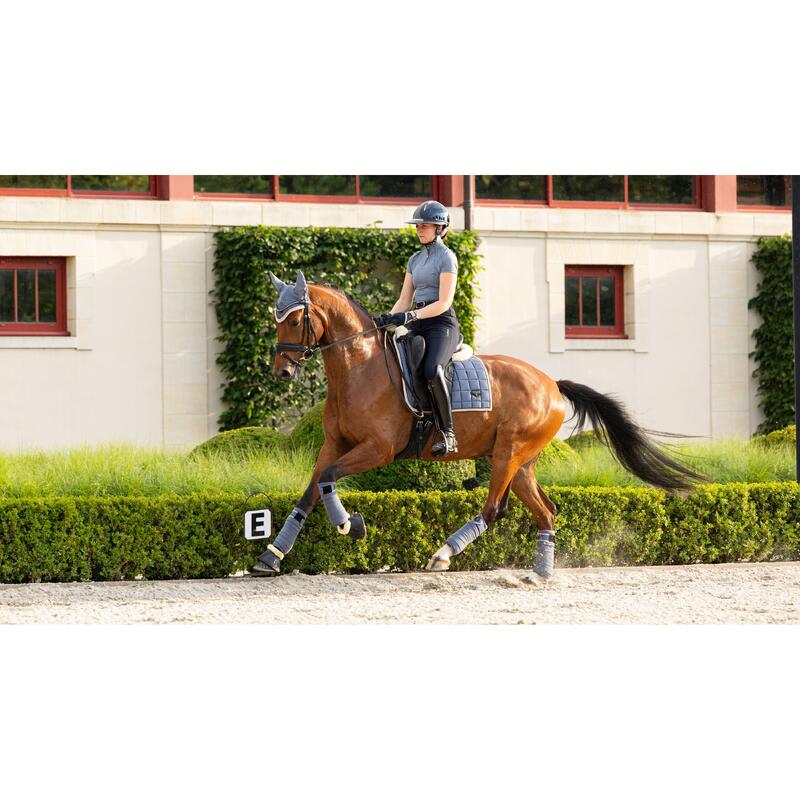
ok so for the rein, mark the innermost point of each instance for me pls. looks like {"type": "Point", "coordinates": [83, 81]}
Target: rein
{"type": "Point", "coordinates": [309, 350]}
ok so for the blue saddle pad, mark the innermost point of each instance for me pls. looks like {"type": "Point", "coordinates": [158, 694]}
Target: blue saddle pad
{"type": "Point", "coordinates": [470, 389]}
{"type": "Point", "coordinates": [467, 381]}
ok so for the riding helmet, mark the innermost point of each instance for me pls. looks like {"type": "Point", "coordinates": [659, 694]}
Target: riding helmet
{"type": "Point", "coordinates": [432, 212]}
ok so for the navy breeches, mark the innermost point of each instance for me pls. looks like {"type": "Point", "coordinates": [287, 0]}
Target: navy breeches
{"type": "Point", "coordinates": [441, 340]}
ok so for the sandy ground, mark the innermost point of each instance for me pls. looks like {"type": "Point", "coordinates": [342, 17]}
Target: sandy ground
{"type": "Point", "coordinates": [725, 593]}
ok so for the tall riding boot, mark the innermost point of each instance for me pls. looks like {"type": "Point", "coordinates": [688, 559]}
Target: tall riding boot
{"type": "Point", "coordinates": [443, 416]}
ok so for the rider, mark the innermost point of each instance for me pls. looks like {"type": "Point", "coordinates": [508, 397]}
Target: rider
{"type": "Point", "coordinates": [431, 278]}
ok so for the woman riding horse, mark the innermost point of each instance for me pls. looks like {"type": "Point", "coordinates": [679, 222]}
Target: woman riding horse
{"type": "Point", "coordinates": [368, 429]}
{"type": "Point", "coordinates": [431, 281]}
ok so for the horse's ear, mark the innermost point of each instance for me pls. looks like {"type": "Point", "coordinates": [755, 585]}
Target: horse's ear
{"type": "Point", "coordinates": [301, 287]}
{"type": "Point", "coordinates": [276, 282]}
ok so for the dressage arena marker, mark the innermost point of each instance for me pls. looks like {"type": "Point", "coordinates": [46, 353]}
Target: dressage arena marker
{"type": "Point", "coordinates": [258, 524]}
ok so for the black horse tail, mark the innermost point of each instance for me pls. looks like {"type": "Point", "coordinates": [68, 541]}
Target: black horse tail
{"type": "Point", "coordinates": [629, 443]}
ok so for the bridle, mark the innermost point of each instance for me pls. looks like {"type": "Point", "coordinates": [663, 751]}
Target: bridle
{"type": "Point", "coordinates": [309, 350]}
{"type": "Point", "coordinates": [306, 347]}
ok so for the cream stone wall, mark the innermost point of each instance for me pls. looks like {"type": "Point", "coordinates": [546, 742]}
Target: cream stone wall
{"type": "Point", "coordinates": [140, 363]}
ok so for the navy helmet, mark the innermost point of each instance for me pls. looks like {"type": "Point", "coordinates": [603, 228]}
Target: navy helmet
{"type": "Point", "coordinates": [431, 212]}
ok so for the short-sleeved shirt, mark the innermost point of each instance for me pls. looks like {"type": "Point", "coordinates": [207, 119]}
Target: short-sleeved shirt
{"type": "Point", "coordinates": [425, 267]}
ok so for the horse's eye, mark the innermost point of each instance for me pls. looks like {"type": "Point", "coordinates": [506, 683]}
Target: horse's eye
{"type": "Point", "coordinates": [295, 323]}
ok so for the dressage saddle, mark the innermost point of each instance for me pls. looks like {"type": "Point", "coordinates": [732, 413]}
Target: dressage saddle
{"type": "Point", "coordinates": [410, 350]}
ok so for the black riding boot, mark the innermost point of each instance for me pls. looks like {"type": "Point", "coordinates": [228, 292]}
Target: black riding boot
{"type": "Point", "coordinates": [442, 415]}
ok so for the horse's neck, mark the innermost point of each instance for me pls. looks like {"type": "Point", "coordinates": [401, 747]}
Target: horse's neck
{"type": "Point", "coordinates": [358, 355]}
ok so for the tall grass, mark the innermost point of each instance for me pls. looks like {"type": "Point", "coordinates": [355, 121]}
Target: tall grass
{"type": "Point", "coordinates": [722, 461]}
{"type": "Point", "coordinates": [128, 470]}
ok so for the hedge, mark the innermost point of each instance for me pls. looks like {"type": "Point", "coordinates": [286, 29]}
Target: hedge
{"type": "Point", "coordinates": [783, 437]}
{"type": "Point", "coordinates": [200, 536]}
{"type": "Point", "coordinates": [774, 341]}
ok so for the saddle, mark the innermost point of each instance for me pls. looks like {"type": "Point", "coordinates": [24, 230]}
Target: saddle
{"type": "Point", "coordinates": [409, 349]}
{"type": "Point", "coordinates": [465, 374]}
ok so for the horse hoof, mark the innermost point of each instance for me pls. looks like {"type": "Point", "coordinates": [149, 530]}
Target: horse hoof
{"type": "Point", "coordinates": [358, 530]}
{"type": "Point", "coordinates": [438, 564]}
{"type": "Point", "coordinates": [267, 566]}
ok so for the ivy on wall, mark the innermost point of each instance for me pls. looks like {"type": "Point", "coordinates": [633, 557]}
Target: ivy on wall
{"type": "Point", "coordinates": [366, 263]}
{"type": "Point", "coordinates": [774, 351]}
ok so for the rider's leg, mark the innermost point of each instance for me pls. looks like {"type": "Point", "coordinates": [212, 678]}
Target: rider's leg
{"type": "Point", "coordinates": [440, 342]}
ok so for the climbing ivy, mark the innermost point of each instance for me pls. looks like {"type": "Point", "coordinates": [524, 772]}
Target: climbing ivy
{"type": "Point", "coordinates": [774, 351]}
{"type": "Point", "coordinates": [367, 263]}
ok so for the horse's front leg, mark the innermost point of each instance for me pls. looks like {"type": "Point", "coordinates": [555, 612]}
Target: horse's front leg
{"type": "Point", "coordinates": [269, 562]}
{"type": "Point", "coordinates": [334, 462]}
{"type": "Point", "coordinates": [364, 456]}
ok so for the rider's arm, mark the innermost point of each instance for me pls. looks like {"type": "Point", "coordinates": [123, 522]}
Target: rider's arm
{"type": "Point", "coordinates": [447, 291]}
{"type": "Point", "coordinates": [406, 295]}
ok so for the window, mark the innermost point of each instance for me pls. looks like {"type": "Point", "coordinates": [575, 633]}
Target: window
{"type": "Point", "coordinates": [594, 302]}
{"type": "Point", "coordinates": [611, 191]}
{"type": "Point", "coordinates": [771, 191]}
{"type": "Point", "coordinates": [77, 185]}
{"type": "Point", "coordinates": [418, 187]}
{"type": "Point", "coordinates": [511, 187]}
{"type": "Point", "coordinates": [257, 185]}
{"type": "Point", "coordinates": [336, 188]}
{"type": "Point", "coordinates": [670, 190]}
{"type": "Point", "coordinates": [33, 298]}
{"type": "Point", "coordinates": [589, 188]}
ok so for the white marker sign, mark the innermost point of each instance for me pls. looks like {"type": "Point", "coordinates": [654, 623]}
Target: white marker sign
{"type": "Point", "coordinates": [258, 524]}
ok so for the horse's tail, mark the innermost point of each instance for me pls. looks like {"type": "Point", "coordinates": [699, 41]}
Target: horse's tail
{"type": "Point", "coordinates": [630, 443]}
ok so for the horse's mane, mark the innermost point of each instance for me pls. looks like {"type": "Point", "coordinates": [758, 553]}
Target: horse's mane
{"type": "Point", "coordinates": [360, 310]}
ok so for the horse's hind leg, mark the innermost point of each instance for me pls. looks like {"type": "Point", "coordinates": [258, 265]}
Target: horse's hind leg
{"type": "Point", "coordinates": [528, 490]}
{"type": "Point", "coordinates": [496, 506]}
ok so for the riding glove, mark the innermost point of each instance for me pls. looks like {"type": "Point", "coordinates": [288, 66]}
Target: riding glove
{"type": "Point", "coordinates": [399, 318]}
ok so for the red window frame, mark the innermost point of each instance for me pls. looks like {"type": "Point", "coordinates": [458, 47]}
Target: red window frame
{"type": "Point", "coordinates": [59, 327]}
{"type": "Point", "coordinates": [278, 196]}
{"type": "Point", "coordinates": [150, 194]}
{"type": "Point", "coordinates": [617, 331]}
{"type": "Point", "coordinates": [551, 202]}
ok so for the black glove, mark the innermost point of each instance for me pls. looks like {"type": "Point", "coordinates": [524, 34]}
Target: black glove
{"type": "Point", "coordinates": [400, 318]}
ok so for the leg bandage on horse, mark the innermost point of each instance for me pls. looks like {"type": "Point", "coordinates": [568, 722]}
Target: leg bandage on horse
{"type": "Point", "coordinates": [545, 554]}
{"type": "Point", "coordinates": [285, 539]}
{"type": "Point", "coordinates": [467, 533]}
{"type": "Point", "coordinates": [333, 505]}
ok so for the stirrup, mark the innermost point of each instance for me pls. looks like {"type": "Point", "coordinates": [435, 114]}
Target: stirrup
{"type": "Point", "coordinates": [445, 447]}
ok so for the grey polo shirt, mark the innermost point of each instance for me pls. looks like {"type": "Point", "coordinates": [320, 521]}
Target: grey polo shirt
{"type": "Point", "coordinates": [425, 267]}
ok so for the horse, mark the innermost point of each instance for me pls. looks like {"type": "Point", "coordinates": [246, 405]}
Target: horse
{"type": "Point", "coordinates": [367, 424]}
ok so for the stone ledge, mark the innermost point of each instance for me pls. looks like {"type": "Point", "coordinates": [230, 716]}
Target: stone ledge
{"type": "Point", "coordinates": [38, 342]}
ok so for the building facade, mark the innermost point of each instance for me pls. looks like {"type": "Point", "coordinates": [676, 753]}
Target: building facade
{"type": "Point", "coordinates": [635, 287]}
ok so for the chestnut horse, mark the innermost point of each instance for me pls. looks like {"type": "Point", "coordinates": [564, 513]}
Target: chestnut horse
{"type": "Point", "coordinates": [367, 423]}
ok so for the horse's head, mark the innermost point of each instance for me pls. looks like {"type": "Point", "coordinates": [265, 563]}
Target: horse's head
{"type": "Point", "coordinates": [299, 327]}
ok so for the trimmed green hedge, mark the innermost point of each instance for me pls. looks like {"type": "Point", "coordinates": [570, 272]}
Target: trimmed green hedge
{"type": "Point", "coordinates": [779, 438]}
{"type": "Point", "coordinates": [242, 442]}
{"type": "Point", "coordinates": [73, 538]}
